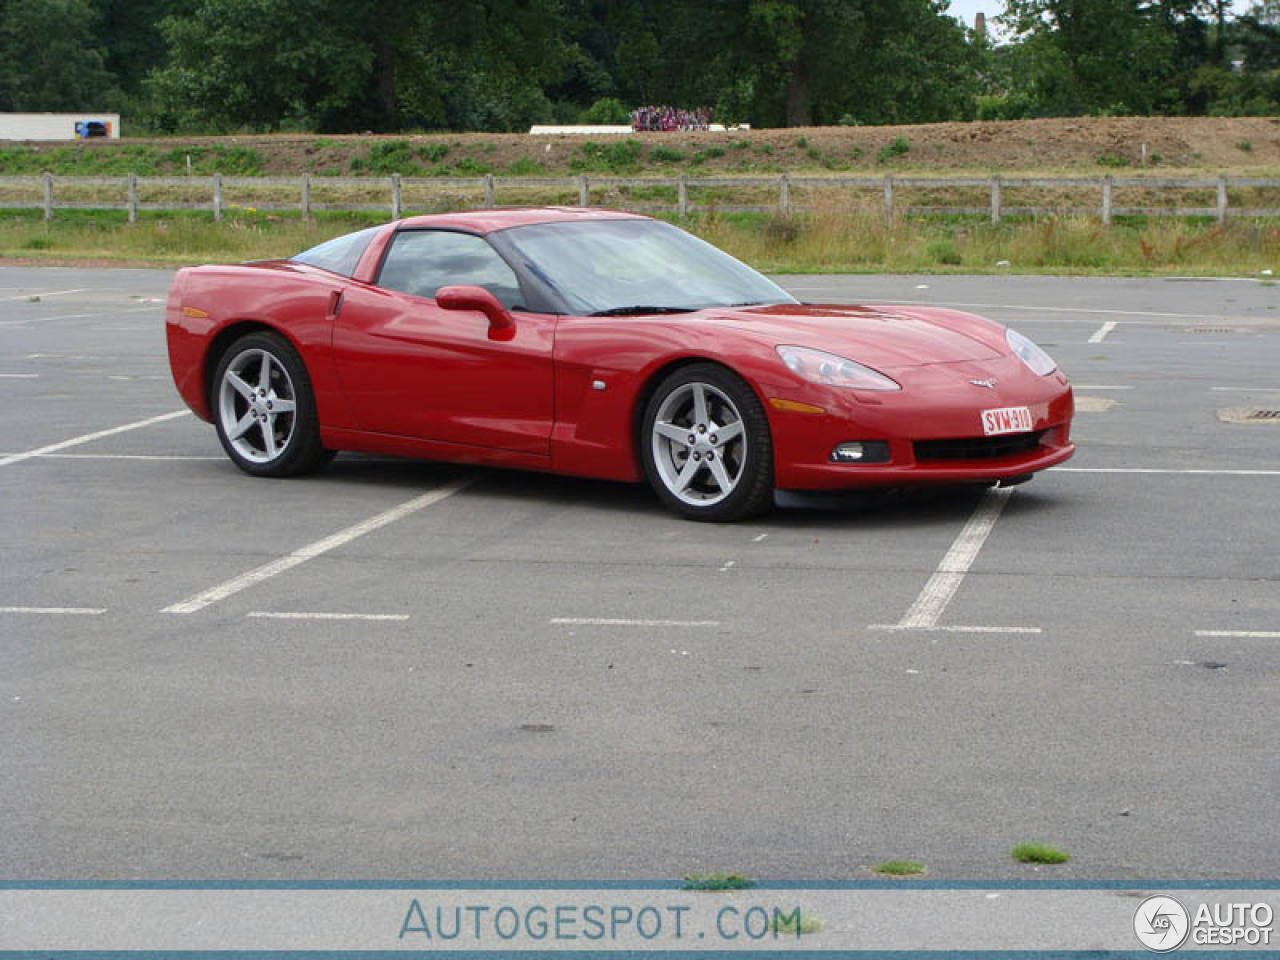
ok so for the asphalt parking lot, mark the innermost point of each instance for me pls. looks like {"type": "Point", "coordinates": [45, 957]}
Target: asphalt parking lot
{"type": "Point", "coordinates": [411, 670]}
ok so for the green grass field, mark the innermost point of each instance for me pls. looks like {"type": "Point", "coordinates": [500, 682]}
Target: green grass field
{"type": "Point", "coordinates": [828, 241]}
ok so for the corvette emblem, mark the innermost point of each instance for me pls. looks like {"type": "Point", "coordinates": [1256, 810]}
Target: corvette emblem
{"type": "Point", "coordinates": [987, 384]}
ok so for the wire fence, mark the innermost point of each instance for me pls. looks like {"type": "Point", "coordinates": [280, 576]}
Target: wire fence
{"type": "Point", "coordinates": [995, 197]}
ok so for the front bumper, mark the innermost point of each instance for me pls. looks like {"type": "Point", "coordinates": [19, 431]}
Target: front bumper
{"type": "Point", "coordinates": [937, 403]}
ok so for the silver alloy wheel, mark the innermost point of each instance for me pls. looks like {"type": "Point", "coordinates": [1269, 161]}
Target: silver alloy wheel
{"type": "Point", "coordinates": [699, 444]}
{"type": "Point", "coordinates": [257, 405]}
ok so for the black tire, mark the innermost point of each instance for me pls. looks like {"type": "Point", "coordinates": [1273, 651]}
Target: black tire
{"type": "Point", "coordinates": [697, 490]}
{"type": "Point", "coordinates": [276, 442]}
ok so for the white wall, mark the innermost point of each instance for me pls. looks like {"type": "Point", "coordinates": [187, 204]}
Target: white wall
{"type": "Point", "coordinates": [52, 126]}
{"type": "Point", "coordinates": [600, 130]}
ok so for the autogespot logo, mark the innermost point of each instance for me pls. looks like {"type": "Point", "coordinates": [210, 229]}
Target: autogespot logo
{"type": "Point", "coordinates": [1161, 924]}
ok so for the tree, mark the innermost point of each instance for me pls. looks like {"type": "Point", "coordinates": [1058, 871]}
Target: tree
{"type": "Point", "coordinates": [50, 57]}
{"type": "Point", "coordinates": [359, 64]}
{"type": "Point", "coordinates": [1089, 56]}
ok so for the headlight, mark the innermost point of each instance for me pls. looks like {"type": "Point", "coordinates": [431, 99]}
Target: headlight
{"type": "Point", "coordinates": [1026, 351]}
{"type": "Point", "coordinates": [819, 367]}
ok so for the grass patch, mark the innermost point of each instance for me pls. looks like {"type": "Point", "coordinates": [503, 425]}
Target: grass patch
{"type": "Point", "coordinates": [717, 881]}
{"type": "Point", "coordinates": [433, 152]}
{"type": "Point", "coordinates": [524, 167]}
{"type": "Point", "coordinates": [795, 924]}
{"type": "Point", "coordinates": [618, 156]}
{"type": "Point", "coordinates": [840, 236]}
{"type": "Point", "coordinates": [899, 868]}
{"type": "Point", "coordinates": [470, 167]}
{"type": "Point", "coordinates": [143, 159]}
{"type": "Point", "coordinates": [185, 237]}
{"type": "Point", "coordinates": [665, 155]}
{"type": "Point", "coordinates": [897, 147]}
{"type": "Point", "coordinates": [1038, 853]}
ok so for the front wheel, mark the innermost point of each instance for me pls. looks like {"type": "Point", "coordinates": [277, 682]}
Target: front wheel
{"type": "Point", "coordinates": [264, 409]}
{"type": "Point", "coordinates": [706, 447]}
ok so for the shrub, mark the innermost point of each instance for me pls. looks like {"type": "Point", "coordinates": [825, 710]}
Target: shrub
{"type": "Point", "coordinates": [616, 157]}
{"type": "Point", "coordinates": [606, 110]}
{"type": "Point", "coordinates": [944, 251]}
{"type": "Point", "coordinates": [665, 155]}
{"type": "Point", "coordinates": [895, 148]}
{"type": "Point", "coordinates": [433, 152]}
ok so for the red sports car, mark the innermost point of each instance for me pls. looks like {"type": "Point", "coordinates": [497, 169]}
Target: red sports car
{"type": "Point", "coordinates": [607, 345]}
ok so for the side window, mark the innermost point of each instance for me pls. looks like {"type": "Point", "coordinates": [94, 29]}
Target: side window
{"type": "Point", "coordinates": [420, 262]}
{"type": "Point", "coordinates": [339, 255]}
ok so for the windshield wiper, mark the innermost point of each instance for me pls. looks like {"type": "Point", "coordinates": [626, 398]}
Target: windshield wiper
{"type": "Point", "coordinates": [638, 311]}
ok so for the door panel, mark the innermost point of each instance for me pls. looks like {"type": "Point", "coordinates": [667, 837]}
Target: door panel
{"type": "Point", "coordinates": [410, 368]}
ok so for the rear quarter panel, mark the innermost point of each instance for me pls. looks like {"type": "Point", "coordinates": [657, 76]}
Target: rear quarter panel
{"type": "Point", "coordinates": [208, 307]}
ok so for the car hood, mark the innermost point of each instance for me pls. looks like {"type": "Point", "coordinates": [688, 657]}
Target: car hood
{"type": "Point", "coordinates": [884, 337]}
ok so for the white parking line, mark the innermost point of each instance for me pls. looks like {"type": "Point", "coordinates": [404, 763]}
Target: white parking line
{"type": "Point", "coordinates": [23, 323]}
{"type": "Point", "coordinates": [88, 437]}
{"type": "Point", "coordinates": [954, 629]}
{"type": "Point", "coordinates": [69, 611]}
{"type": "Point", "coordinates": [266, 614]}
{"type": "Point", "coordinates": [617, 622]}
{"type": "Point", "coordinates": [1101, 333]}
{"type": "Point", "coordinates": [1190, 470]}
{"type": "Point", "coordinates": [1101, 386]}
{"type": "Point", "coordinates": [114, 456]}
{"type": "Point", "coordinates": [42, 294]}
{"type": "Point", "coordinates": [1245, 389]}
{"type": "Point", "coordinates": [18, 376]}
{"type": "Point", "coordinates": [312, 550]}
{"type": "Point", "coordinates": [946, 580]}
{"type": "Point", "coordinates": [1255, 634]}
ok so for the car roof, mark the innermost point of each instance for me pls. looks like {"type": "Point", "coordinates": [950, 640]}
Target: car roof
{"type": "Point", "coordinates": [489, 221]}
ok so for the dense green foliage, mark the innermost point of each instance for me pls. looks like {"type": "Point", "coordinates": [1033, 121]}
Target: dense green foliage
{"type": "Point", "coordinates": [353, 65]}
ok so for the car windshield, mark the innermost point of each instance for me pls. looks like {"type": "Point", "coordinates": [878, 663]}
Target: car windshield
{"type": "Point", "coordinates": [632, 267]}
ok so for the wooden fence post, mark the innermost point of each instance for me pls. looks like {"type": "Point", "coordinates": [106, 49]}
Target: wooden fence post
{"type": "Point", "coordinates": [306, 198]}
{"type": "Point", "coordinates": [682, 197]}
{"type": "Point", "coordinates": [133, 198]}
{"type": "Point", "coordinates": [784, 195]}
{"type": "Point", "coordinates": [995, 199]}
{"type": "Point", "coordinates": [397, 207]}
{"type": "Point", "coordinates": [584, 191]}
{"type": "Point", "coordinates": [217, 196]}
{"type": "Point", "coordinates": [488, 191]}
{"type": "Point", "coordinates": [888, 199]}
{"type": "Point", "coordinates": [48, 195]}
{"type": "Point", "coordinates": [1222, 199]}
{"type": "Point", "coordinates": [1106, 201]}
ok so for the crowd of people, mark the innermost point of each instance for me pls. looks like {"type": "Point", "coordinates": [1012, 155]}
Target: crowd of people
{"type": "Point", "coordinates": [669, 118]}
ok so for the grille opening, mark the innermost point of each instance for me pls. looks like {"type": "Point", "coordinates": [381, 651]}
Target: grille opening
{"type": "Point", "coordinates": [978, 448]}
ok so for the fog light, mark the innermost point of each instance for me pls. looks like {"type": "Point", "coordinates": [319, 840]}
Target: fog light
{"type": "Point", "coordinates": [864, 451]}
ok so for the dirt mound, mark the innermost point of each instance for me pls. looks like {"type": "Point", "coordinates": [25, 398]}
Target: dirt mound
{"type": "Point", "coordinates": [1249, 145]}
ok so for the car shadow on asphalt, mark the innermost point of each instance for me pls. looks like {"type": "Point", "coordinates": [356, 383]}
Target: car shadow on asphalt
{"type": "Point", "coordinates": [921, 507]}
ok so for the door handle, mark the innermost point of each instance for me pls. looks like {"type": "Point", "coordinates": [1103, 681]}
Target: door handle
{"type": "Point", "coordinates": [335, 303]}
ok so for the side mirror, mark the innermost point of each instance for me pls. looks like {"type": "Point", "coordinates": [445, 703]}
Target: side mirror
{"type": "Point", "coordinates": [502, 326]}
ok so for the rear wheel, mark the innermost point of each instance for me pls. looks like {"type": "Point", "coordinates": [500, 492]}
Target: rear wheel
{"type": "Point", "coordinates": [706, 447]}
{"type": "Point", "coordinates": [264, 408]}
